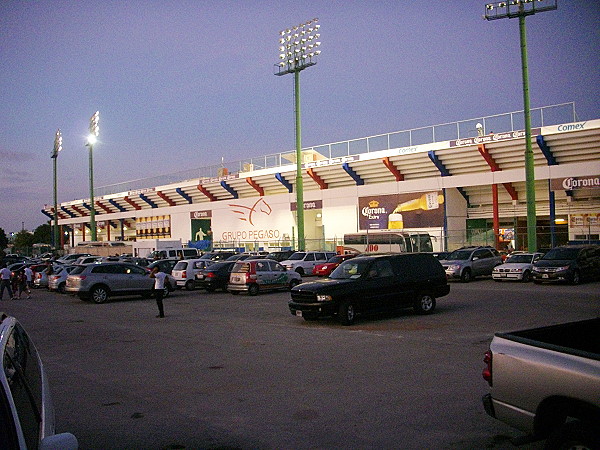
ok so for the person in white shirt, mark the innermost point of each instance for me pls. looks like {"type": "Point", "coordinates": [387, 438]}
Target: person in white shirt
{"type": "Point", "coordinates": [29, 275]}
{"type": "Point", "coordinates": [159, 288]}
{"type": "Point", "coordinates": [5, 275]}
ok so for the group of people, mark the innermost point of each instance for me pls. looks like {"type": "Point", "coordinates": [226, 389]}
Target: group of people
{"type": "Point", "coordinates": [16, 283]}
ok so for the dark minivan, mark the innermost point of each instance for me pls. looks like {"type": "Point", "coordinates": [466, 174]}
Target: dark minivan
{"type": "Point", "coordinates": [571, 263]}
{"type": "Point", "coordinates": [373, 283]}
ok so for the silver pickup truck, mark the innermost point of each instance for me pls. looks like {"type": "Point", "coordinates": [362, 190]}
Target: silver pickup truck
{"type": "Point", "coordinates": [546, 382]}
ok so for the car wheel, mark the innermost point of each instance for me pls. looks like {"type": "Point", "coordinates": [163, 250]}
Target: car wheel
{"type": "Point", "coordinates": [347, 313]}
{"type": "Point", "coordinates": [189, 285]}
{"type": "Point", "coordinates": [62, 288]}
{"type": "Point", "coordinates": [574, 435]}
{"type": "Point", "coordinates": [526, 276]}
{"type": "Point", "coordinates": [253, 289]}
{"type": "Point", "coordinates": [293, 283]}
{"type": "Point", "coordinates": [576, 277]}
{"type": "Point", "coordinates": [100, 294]}
{"type": "Point", "coordinates": [300, 271]}
{"type": "Point", "coordinates": [424, 303]}
{"type": "Point", "coordinates": [465, 277]}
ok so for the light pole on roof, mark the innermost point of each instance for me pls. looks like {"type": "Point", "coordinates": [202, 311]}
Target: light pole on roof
{"type": "Point", "coordinates": [521, 9]}
{"type": "Point", "coordinates": [57, 148]}
{"type": "Point", "coordinates": [298, 49]}
{"type": "Point", "coordinates": [91, 140]}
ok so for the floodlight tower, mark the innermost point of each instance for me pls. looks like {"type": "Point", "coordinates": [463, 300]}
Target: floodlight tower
{"type": "Point", "coordinates": [54, 156]}
{"type": "Point", "coordinates": [298, 49]}
{"type": "Point", "coordinates": [521, 9]}
{"type": "Point", "coordinates": [91, 140]}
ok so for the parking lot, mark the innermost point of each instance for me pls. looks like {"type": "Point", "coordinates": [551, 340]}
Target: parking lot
{"type": "Point", "coordinates": [224, 371]}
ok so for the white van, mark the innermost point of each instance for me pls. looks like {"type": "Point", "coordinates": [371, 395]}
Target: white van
{"type": "Point", "coordinates": [304, 262]}
{"type": "Point", "coordinates": [174, 253]}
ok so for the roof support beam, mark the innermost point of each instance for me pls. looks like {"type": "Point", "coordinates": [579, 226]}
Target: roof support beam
{"type": "Point", "coordinates": [496, 168]}
{"type": "Point", "coordinates": [132, 203]}
{"type": "Point", "coordinates": [166, 198]}
{"type": "Point", "coordinates": [255, 185]}
{"type": "Point", "coordinates": [317, 178]}
{"type": "Point", "coordinates": [80, 211]}
{"type": "Point", "coordinates": [184, 195]}
{"type": "Point", "coordinates": [229, 189]}
{"type": "Point", "coordinates": [102, 206]}
{"type": "Point", "coordinates": [392, 168]}
{"type": "Point", "coordinates": [285, 182]}
{"type": "Point", "coordinates": [50, 216]}
{"type": "Point", "coordinates": [205, 191]}
{"type": "Point", "coordinates": [116, 205]}
{"type": "Point", "coordinates": [148, 200]}
{"type": "Point", "coordinates": [68, 212]}
{"type": "Point", "coordinates": [355, 176]}
{"type": "Point", "coordinates": [547, 152]}
{"type": "Point", "coordinates": [437, 162]}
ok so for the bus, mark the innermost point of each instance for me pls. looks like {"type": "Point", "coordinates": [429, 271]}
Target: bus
{"type": "Point", "coordinates": [388, 242]}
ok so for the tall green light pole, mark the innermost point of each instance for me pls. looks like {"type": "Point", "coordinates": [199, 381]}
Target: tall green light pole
{"type": "Point", "coordinates": [91, 140]}
{"type": "Point", "coordinates": [521, 9]}
{"type": "Point", "coordinates": [54, 156]}
{"type": "Point", "coordinates": [297, 51]}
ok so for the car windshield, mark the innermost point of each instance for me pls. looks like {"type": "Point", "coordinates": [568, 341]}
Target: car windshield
{"type": "Point", "coordinates": [181, 265]}
{"type": "Point", "coordinates": [335, 259]}
{"type": "Point", "coordinates": [297, 256]}
{"type": "Point", "coordinates": [349, 269]}
{"type": "Point", "coordinates": [561, 253]}
{"type": "Point", "coordinates": [459, 255]}
{"type": "Point", "coordinates": [77, 269]}
{"type": "Point", "coordinates": [241, 267]}
{"type": "Point", "coordinates": [522, 258]}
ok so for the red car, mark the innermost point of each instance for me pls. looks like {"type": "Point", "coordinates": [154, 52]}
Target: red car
{"type": "Point", "coordinates": [323, 270]}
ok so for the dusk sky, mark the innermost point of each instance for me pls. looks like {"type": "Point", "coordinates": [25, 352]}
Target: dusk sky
{"type": "Point", "coordinates": [182, 84]}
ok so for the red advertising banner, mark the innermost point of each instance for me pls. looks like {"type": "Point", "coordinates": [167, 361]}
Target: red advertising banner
{"type": "Point", "coordinates": [398, 211]}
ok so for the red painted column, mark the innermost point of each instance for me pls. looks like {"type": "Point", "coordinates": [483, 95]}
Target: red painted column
{"type": "Point", "coordinates": [496, 215]}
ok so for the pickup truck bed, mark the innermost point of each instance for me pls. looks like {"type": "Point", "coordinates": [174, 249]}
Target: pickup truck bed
{"type": "Point", "coordinates": [546, 381]}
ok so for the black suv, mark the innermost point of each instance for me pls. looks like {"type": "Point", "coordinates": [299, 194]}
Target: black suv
{"type": "Point", "coordinates": [573, 264]}
{"type": "Point", "coordinates": [373, 283]}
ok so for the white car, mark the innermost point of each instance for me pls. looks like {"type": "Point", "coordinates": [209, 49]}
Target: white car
{"type": "Point", "coordinates": [517, 267]}
{"type": "Point", "coordinates": [26, 412]}
{"type": "Point", "coordinates": [185, 271]}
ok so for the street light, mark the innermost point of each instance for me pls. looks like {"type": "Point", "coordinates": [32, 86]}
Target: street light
{"type": "Point", "coordinates": [91, 140]}
{"type": "Point", "coordinates": [54, 156]}
{"type": "Point", "coordinates": [521, 9]}
{"type": "Point", "coordinates": [298, 49]}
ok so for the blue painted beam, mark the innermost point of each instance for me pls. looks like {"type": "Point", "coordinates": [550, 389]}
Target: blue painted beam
{"type": "Point", "coordinates": [350, 171]}
{"type": "Point", "coordinates": [51, 216]}
{"type": "Point", "coordinates": [147, 200]}
{"type": "Point", "coordinates": [116, 205]}
{"type": "Point", "coordinates": [85, 205]}
{"type": "Point", "coordinates": [285, 182]}
{"type": "Point", "coordinates": [229, 189]}
{"type": "Point", "coordinates": [546, 151]}
{"type": "Point", "coordinates": [184, 195]}
{"type": "Point", "coordinates": [445, 172]}
{"type": "Point", "coordinates": [68, 212]}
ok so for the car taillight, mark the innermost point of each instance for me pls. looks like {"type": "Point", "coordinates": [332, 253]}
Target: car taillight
{"type": "Point", "coordinates": [487, 371]}
{"type": "Point", "coordinates": [250, 277]}
{"type": "Point", "coordinates": [183, 274]}
{"type": "Point", "coordinates": [210, 275]}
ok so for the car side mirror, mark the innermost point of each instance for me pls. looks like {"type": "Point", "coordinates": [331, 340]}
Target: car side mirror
{"type": "Point", "coordinates": [475, 258]}
{"type": "Point", "coordinates": [62, 441]}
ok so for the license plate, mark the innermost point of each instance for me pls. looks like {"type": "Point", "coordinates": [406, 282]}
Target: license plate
{"type": "Point", "coordinates": [545, 275]}
{"type": "Point", "coordinates": [298, 313]}
{"type": "Point", "coordinates": [200, 277]}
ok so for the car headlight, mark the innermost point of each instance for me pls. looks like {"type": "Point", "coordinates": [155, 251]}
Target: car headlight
{"type": "Point", "coordinates": [562, 269]}
{"type": "Point", "coordinates": [323, 298]}
{"type": "Point", "coordinates": [453, 267]}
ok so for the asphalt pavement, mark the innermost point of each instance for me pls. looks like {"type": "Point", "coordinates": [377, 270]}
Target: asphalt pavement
{"type": "Point", "coordinates": [228, 372]}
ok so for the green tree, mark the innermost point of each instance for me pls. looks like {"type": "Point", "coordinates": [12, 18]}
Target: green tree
{"type": "Point", "coordinates": [43, 234]}
{"type": "Point", "coordinates": [23, 240]}
{"type": "Point", "coordinates": [3, 239]}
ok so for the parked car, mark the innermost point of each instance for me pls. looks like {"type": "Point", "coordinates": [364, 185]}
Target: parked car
{"type": "Point", "coordinates": [573, 264]}
{"type": "Point", "coordinates": [244, 256]}
{"type": "Point", "coordinates": [467, 263]}
{"type": "Point", "coordinates": [215, 276]}
{"type": "Point", "coordinates": [58, 280]}
{"type": "Point", "coordinates": [40, 279]}
{"type": "Point", "coordinates": [26, 410]}
{"type": "Point", "coordinates": [323, 270]}
{"type": "Point", "coordinates": [164, 265]}
{"type": "Point", "coordinates": [258, 275]}
{"type": "Point", "coordinates": [546, 382]}
{"type": "Point", "coordinates": [517, 267]}
{"type": "Point", "coordinates": [372, 283]}
{"type": "Point", "coordinates": [87, 260]}
{"type": "Point", "coordinates": [179, 253]}
{"type": "Point", "coordinates": [304, 262]}
{"type": "Point", "coordinates": [280, 255]}
{"type": "Point", "coordinates": [184, 272]}
{"type": "Point", "coordinates": [98, 282]}
{"type": "Point", "coordinates": [70, 259]}
{"type": "Point", "coordinates": [220, 255]}
{"type": "Point", "coordinates": [135, 260]}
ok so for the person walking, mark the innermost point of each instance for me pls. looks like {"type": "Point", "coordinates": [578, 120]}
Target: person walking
{"type": "Point", "coordinates": [21, 283]}
{"type": "Point", "coordinates": [159, 288]}
{"type": "Point", "coordinates": [29, 276]}
{"type": "Point", "coordinates": [5, 281]}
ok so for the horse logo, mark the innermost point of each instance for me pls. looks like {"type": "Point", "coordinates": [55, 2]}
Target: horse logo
{"type": "Point", "coordinates": [261, 206]}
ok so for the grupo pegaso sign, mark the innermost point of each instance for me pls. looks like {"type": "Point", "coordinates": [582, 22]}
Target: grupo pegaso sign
{"type": "Point", "coordinates": [575, 183]}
